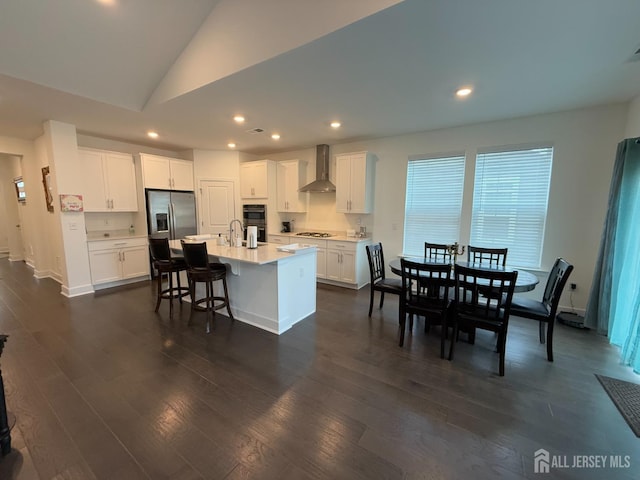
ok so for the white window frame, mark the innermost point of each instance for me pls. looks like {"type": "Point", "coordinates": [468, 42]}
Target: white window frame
{"type": "Point", "coordinates": [433, 210]}
{"type": "Point", "coordinates": [510, 202]}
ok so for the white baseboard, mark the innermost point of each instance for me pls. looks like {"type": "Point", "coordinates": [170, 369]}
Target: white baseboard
{"type": "Point", "coordinates": [118, 283]}
{"type": "Point", "coordinates": [76, 291]}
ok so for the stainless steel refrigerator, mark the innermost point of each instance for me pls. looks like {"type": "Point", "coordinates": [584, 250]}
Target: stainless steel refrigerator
{"type": "Point", "coordinates": [170, 214]}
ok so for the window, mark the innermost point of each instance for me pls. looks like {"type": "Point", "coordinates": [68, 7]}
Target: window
{"type": "Point", "coordinates": [510, 196]}
{"type": "Point", "coordinates": [433, 202]}
{"type": "Point", "coordinates": [20, 192]}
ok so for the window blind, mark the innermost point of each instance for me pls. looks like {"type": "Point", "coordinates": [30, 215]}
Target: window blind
{"type": "Point", "coordinates": [433, 202]}
{"type": "Point", "coordinates": [510, 197]}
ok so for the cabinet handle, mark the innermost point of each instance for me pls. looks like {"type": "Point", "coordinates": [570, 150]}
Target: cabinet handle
{"type": "Point", "coordinates": [120, 243]}
{"type": "Point", "coordinates": [123, 257]}
{"type": "Point", "coordinates": [112, 203]}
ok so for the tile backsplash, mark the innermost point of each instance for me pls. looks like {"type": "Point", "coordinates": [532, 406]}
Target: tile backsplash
{"type": "Point", "coordinates": [107, 222]}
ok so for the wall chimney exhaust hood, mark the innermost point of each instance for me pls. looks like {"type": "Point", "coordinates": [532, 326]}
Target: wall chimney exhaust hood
{"type": "Point", "coordinates": [321, 184]}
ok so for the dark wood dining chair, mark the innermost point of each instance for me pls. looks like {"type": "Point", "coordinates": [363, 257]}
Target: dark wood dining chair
{"type": "Point", "coordinates": [472, 309]}
{"type": "Point", "coordinates": [164, 262]}
{"type": "Point", "coordinates": [200, 270]}
{"type": "Point", "coordinates": [378, 280]}
{"type": "Point", "coordinates": [491, 256]}
{"type": "Point", "coordinates": [429, 299]}
{"type": "Point", "coordinates": [438, 252]}
{"type": "Point", "coordinates": [545, 310]}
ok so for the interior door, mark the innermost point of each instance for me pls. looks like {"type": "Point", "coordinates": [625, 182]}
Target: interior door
{"type": "Point", "coordinates": [217, 206]}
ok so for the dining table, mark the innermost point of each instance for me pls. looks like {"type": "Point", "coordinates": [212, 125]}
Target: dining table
{"type": "Point", "coordinates": [525, 282]}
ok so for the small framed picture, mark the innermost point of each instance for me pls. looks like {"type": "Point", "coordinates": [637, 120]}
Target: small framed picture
{"type": "Point", "coordinates": [71, 203]}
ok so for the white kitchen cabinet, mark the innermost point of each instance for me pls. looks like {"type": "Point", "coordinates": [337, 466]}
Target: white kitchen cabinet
{"type": "Point", "coordinates": [345, 264]}
{"type": "Point", "coordinates": [117, 260]}
{"type": "Point", "coordinates": [354, 183]}
{"type": "Point", "coordinates": [341, 263]}
{"type": "Point", "coordinates": [292, 174]}
{"type": "Point", "coordinates": [167, 173]}
{"type": "Point", "coordinates": [321, 270]}
{"type": "Point", "coordinates": [256, 178]}
{"type": "Point", "coordinates": [109, 181]}
{"type": "Point", "coordinates": [280, 239]}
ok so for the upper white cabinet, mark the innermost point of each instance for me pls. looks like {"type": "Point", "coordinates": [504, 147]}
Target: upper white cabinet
{"type": "Point", "coordinates": [166, 173]}
{"type": "Point", "coordinates": [354, 183]}
{"type": "Point", "coordinates": [109, 181]}
{"type": "Point", "coordinates": [292, 174]}
{"type": "Point", "coordinates": [254, 178]}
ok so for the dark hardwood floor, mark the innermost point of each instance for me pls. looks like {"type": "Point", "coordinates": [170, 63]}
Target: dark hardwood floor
{"type": "Point", "coordinates": [103, 388]}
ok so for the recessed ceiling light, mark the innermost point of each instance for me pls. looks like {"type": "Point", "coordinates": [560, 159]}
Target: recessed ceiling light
{"type": "Point", "coordinates": [464, 92]}
{"type": "Point", "coordinates": [152, 134]}
{"type": "Point", "coordinates": [238, 119]}
{"type": "Point", "coordinates": [231, 145]}
{"type": "Point", "coordinates": [335, 124]}
{"type": "Point", "coordinates": [275, 136]}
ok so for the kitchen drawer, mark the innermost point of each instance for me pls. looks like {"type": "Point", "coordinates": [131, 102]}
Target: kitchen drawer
{"type": "Point", "coordinates": [339, 245]}
{"type": "Point", "coordinates": [280, 239]}
{"type": "Point", "coordinates": [96, 245]}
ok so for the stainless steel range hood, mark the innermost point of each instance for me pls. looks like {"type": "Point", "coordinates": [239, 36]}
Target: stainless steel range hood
{"type": "Point", "coordinates": [321, 184]}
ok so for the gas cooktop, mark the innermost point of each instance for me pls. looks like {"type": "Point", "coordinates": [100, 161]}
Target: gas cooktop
{"type": "Point", "coordinates": [314, 234]}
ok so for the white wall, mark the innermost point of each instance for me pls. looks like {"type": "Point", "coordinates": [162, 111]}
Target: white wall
{"type": "Point", "coordinates": [584, 149]}
{"type": "Point", "coordinates": [32, 212]}
{"type": "Point", "coordinates": [10, 241]}
{"type": "Point", "coordinates": [633, 119]}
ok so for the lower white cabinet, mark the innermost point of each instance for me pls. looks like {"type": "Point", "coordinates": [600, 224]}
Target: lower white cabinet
{"type": "Point", "coordinates": [116, 260]}
{"type": "Point", "coordinates": [346, 264]}
{"type": "Point", "coordinates": [342, 263]}
{"type": "Point", "coordinates": [281, 239]}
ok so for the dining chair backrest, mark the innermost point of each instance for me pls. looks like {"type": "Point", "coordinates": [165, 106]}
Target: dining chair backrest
{"type": "Point", "coordinates": [195, 255]}
{"type": "Point", "coordinates": [555, 285]}
{"type": "Point", "coordinates": [483, 294]}
{"type": "Point", "coordinates": [491, 256]}
{"type": "Point", "coordinates": [159, 249]}
{"type": "Point", "coordinates": [425, 286]}
{"type": "Point", "coordinates": [375, 255]}
{"type": "Point", "coordinates": [437, 251]}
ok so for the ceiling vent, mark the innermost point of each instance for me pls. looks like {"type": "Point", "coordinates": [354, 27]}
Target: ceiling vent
{"type": "Point", "coordinates": [253, 131]}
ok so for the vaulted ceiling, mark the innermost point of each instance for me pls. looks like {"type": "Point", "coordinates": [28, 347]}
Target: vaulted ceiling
{"type": "Point", "coordinates": [119, 68]}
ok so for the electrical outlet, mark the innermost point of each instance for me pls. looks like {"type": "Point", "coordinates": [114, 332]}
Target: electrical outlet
{"type": "Point", "coordinates": [573, 286]}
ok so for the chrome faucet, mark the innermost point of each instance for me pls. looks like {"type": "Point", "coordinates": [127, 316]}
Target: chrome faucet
{"type": "Point", "coordinates": [232, 237]}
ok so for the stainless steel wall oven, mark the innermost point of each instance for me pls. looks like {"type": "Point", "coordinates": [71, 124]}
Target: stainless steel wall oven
{"type": "Point", "coordinates": [255, 215]}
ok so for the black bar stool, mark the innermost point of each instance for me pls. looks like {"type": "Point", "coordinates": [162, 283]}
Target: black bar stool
{"type": "Point", "coordinates": [164, 262]}
{"type": "Point", "coordinates": [199, 269]}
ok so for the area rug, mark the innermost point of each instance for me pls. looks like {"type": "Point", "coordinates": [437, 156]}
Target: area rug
{"type": "Point", "coordinates": [625, 396]}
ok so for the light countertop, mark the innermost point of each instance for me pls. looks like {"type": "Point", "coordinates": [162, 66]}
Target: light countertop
{"type": "Point", "coordinates": [113, 235]}
{"type": "Point", "coordinates": [336, 236]}
{"type": "Point", "coordinates": [265, 253]}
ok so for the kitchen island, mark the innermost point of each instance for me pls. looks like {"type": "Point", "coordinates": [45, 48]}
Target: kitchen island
{"type": "Point", "coordinates": [268, 288]}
